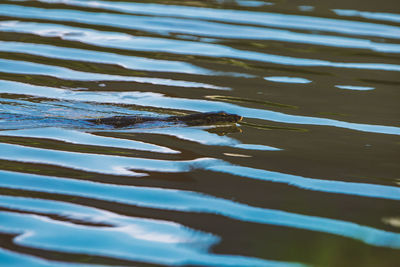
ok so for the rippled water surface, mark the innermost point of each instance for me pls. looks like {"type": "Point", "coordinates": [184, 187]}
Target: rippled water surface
{"type": "Point", "coordinates": [309, 177]}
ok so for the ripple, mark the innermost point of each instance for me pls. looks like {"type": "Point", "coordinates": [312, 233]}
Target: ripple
{"type": "Point", "coordinates": [354, 87]}
{"type": "Point", "coordinates": [202, 137]}
{"type": "Point", "coordinates": [156, 231]}
{"type": "Point", "coordinates": [190, 201]}
{"type": "Point", "coordinates": [128, 62]}
{"type": "Point", "coordinates": [153, 44]}
{"type": "Point", "coordinates": [247, 17]}
{"type": "Point", "coordinates": [113, 165]}
{"type": "Point", "coordinates": [282, 79]}
{"type": "Point", "coordinates": [82, 138]}
{"type": "Point", "coordinates": [167, 26]}
{"type": "Point", "coordinates": [327, 186]}
{"type": "Point", "coordinates": [368, 15]}
{"type": "Point", "coordinates": [118, 165]}
{"type": "Point", "coordinates": [23, 67]}
{"type": "Point", "coordinates": [116, 242]}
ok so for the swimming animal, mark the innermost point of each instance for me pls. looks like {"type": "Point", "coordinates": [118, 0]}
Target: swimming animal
{"type": "Point", "coordinates": [208, 118]}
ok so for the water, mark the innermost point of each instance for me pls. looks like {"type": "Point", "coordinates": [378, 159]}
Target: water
{"type": "Point", "coordinates": [309, 177]}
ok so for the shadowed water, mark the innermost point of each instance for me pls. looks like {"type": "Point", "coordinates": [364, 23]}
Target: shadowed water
{"type": "Point", "coordinates": [309, 177]}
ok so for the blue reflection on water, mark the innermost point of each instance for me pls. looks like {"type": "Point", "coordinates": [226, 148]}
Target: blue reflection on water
{"type": "Point", "coordinates": [117, 242]}
{"type": "Point", "coordinates": [369, 15]}
{"type": "Point", "coordinates": [78, 137]}
{"type": "Point", "coordinates": [327, 186]}
{"type": "Point", "coordinates": [140, 43]}
{"type": "Point", "coordinates": [118, 165]}
{"type": "Point", "coordinates": [204, 28]}
{"type": "Point", "coordinates": [256, 147]}
{"type": "Point", "coordinates": [283, 79]}
{"type": "Point", "coordinates": [180, 200]}
{"type": "Point", "coordinates": [246, 17]}
{"type": "Point", "coordinates": [130, 62]}
{"type": "Point", "coordinates": [353, 87]}
{"type": "Point", "coordinates": [146, 229]}
{"type": "Point", "coordinates": [23, 67]}
{"type": "Point", "coordinates": [252, 3]}
{"type": "Point", "coordinates": [107, 164]}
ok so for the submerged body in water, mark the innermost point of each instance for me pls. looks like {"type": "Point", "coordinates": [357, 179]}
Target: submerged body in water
{"type": "Point", "coordinates": [197, 119]}
{"type": "Point", "coordinates": [20, 121]}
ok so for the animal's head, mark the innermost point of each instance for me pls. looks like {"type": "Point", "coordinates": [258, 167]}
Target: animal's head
{"type": "Point", "coordinates": [225, 117]}
{"type": "Point", "coordinates": [212, 118]}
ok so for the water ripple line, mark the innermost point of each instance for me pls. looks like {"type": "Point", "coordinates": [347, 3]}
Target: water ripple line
{"type": "Point", "coordinates": [24, 67]}
{"type": "Point", "coordinates": [167, 26]}
{"type": "Point", "coordinates": [308, 23]}
{"type": "Point", "coordinates": [104, 164]}
{"type": "Point", "coordinates": [84, 138]}
{"type": "Point", "coordinates": [153, 230]}
{"type": "Point", "coordinates": [153, 44]}
{"type": "Point", "coordinates": [128, 62]}
{"type": "Point", "coordinates": [187, 201]}
{"type": "Point", "coordinates": [116, 242]}
{"type": "Point", "coordinates": [119, 165]}
{"type": "Point", "coordinates": [368, 15]}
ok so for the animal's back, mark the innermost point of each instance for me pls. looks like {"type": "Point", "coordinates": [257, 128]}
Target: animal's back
{"type": "Point", "coordinates": [207, 118]}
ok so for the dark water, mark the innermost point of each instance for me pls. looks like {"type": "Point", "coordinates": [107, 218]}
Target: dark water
{"type": "Point", "coordinates": [310, 178]}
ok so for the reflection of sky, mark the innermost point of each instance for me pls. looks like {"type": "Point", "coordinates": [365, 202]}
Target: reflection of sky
{"type": "Point", "coordinates": [167, 25]}
{"type": "Point", "coordinates": [245, 17]}
{"type": "Point", "coordinates": [114, 242]}
{"type": "Point", "coordinates": [145, 229]}
{"type": "Point", "coordinates": [23, 67]}
{"type": "Point", "coordinates": [353, 87]}
{"type": "Point", "coordinates": [368, 15]}
{"type": "Point", "coordinates": [129, 62]}
{"type": "Point", "coordinates": [79, 137]}
{"type": "Point", "coordinates": [251, 3]}
{"type": "Point", "coordinates": [282, 79]}
{"type": "Point", "coordinates": [141, 43]}
{"type": "Point", "coordinates": [107, 164]}
{"type": "Point", "coordinates": [179, 200]}
{"type": "Point", "coordinates": [327, 186]}
{"type": "Point", "coordinates": [119, 165]}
